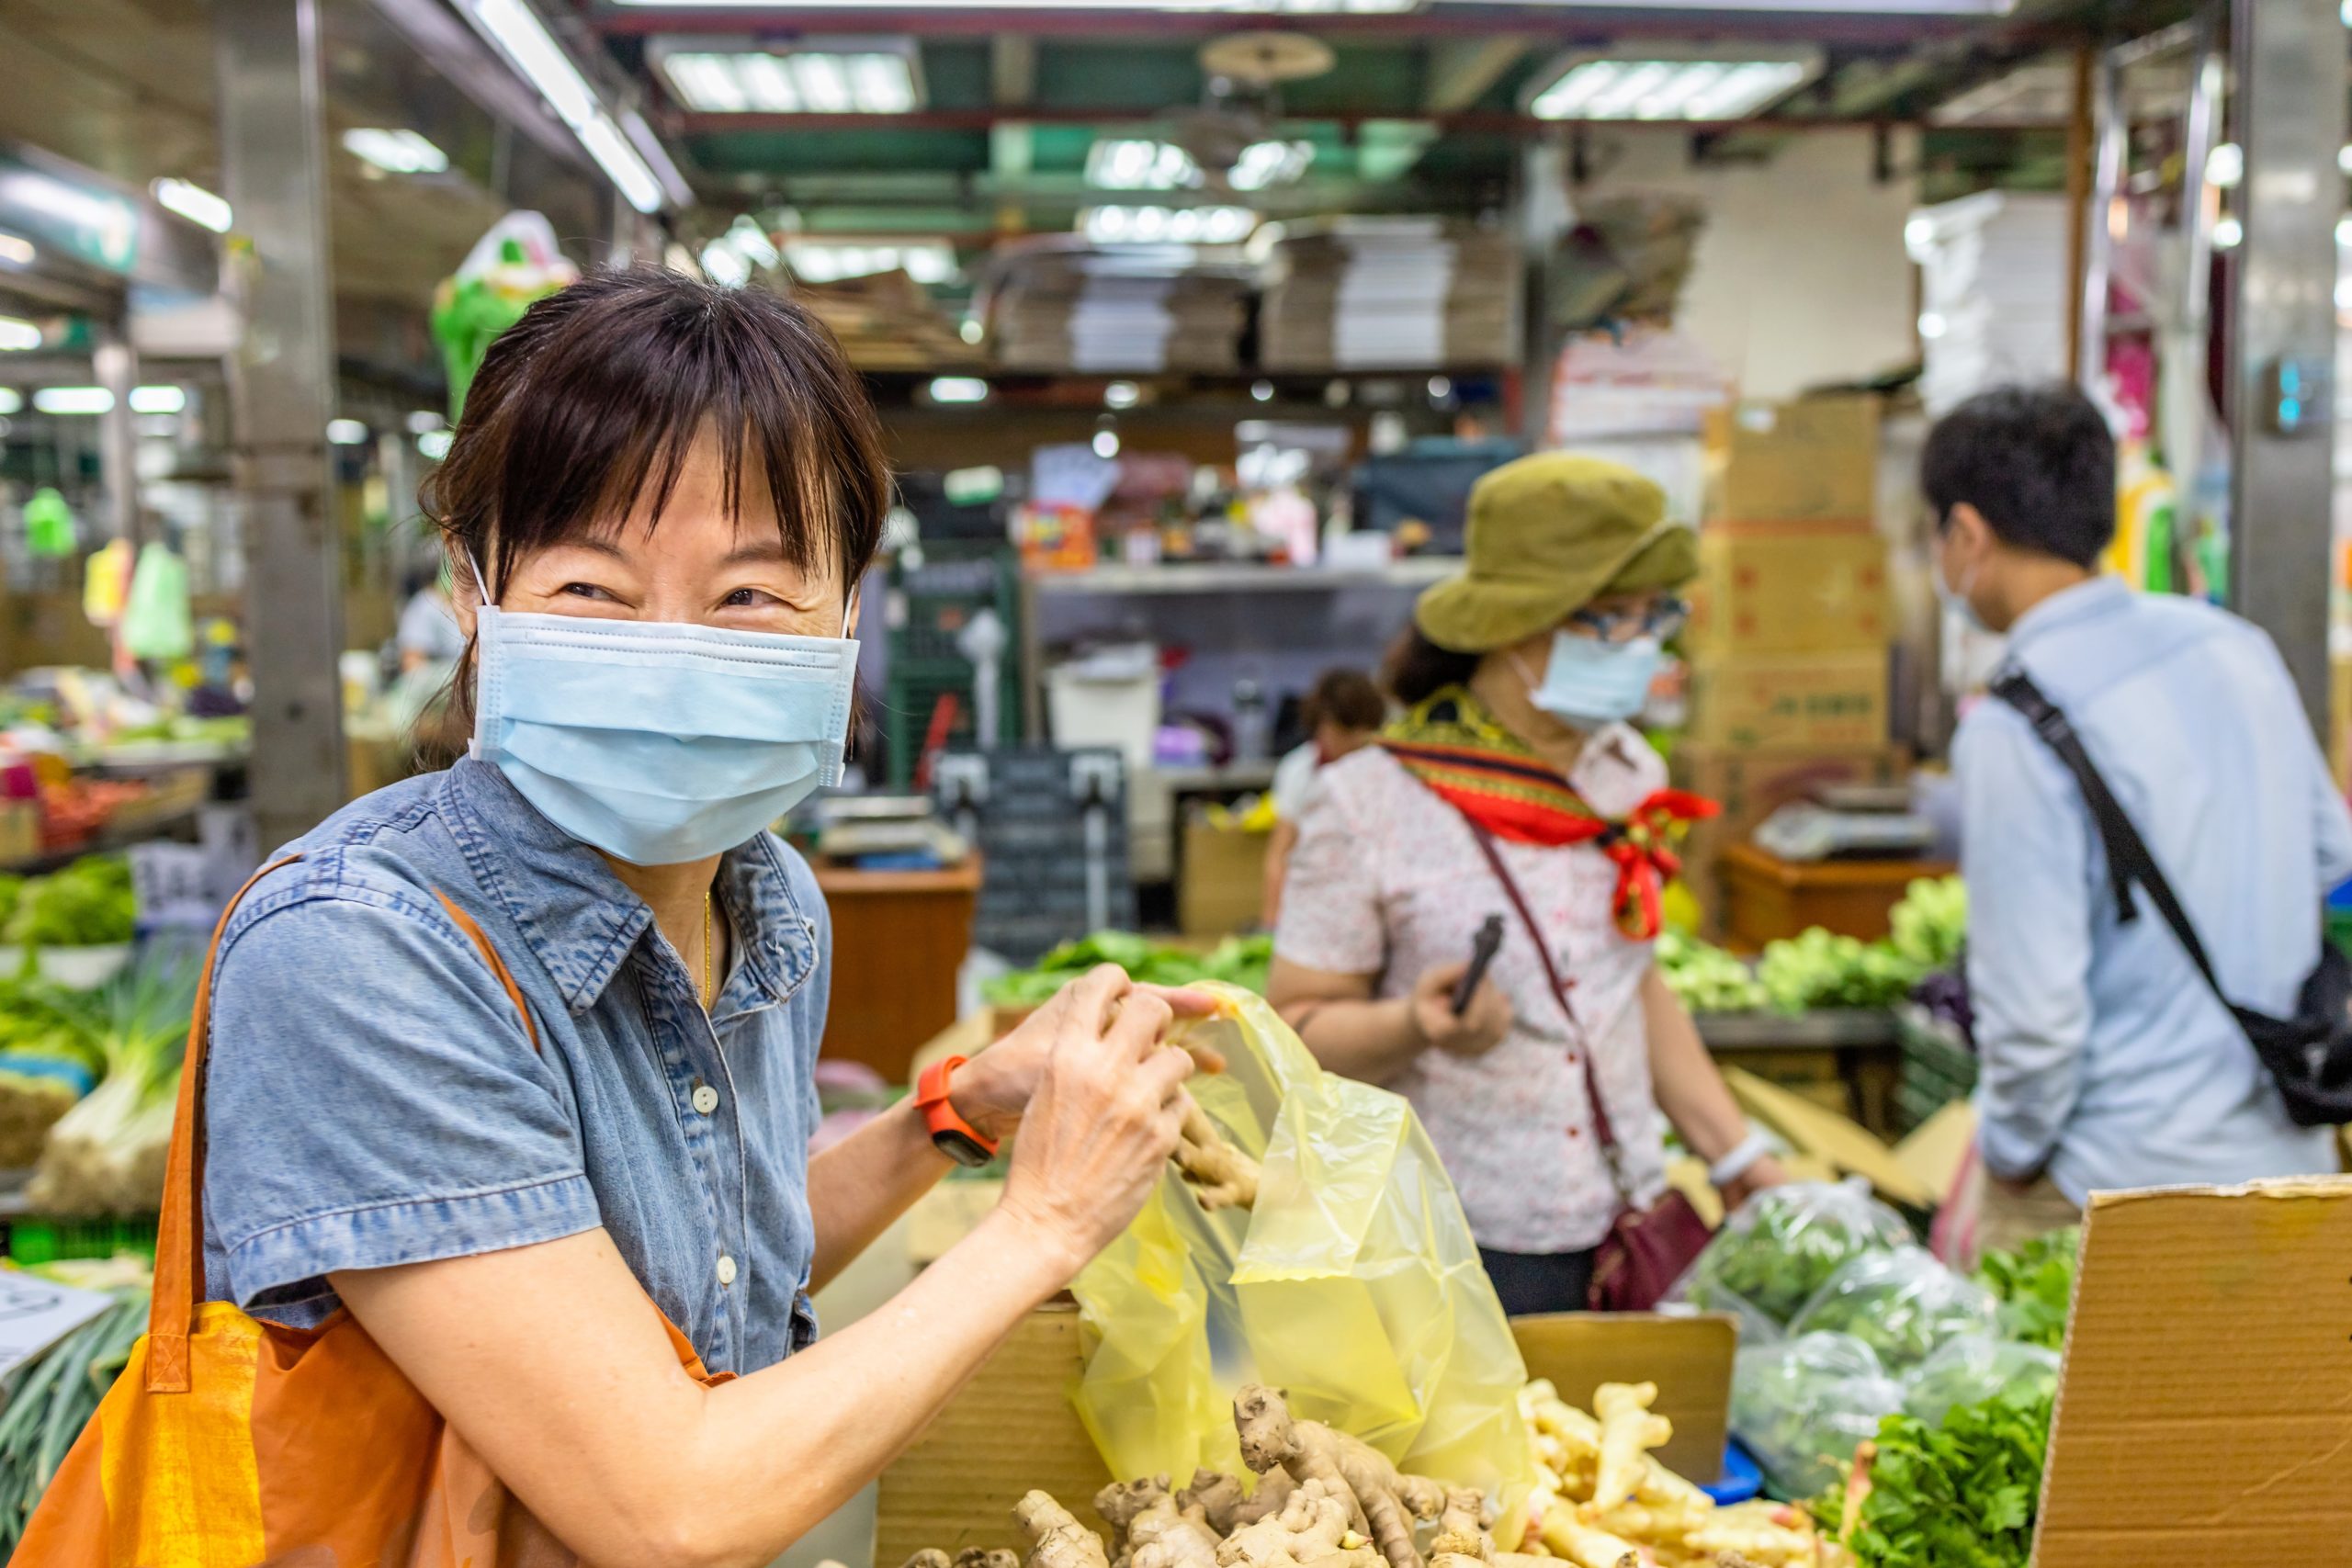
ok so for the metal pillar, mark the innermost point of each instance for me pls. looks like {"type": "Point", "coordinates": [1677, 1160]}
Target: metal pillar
{"type": "Point", "coordinates": [282, 392]}
{"type": "Point", "coordinates": [2290, 118]}
{"type": "Point", "coordinates": [117, 371]}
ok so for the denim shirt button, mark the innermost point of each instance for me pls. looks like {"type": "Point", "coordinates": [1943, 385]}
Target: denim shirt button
{"type": "Point", "coordinates": [706, 1099]}
{"type": "Point", "coordinates": [726, 1270]}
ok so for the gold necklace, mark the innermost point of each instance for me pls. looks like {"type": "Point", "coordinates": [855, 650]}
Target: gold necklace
{"type": "Point", "coordinates": [709, 993]}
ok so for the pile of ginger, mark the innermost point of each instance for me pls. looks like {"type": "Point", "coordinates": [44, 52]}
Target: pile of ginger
{"type": "Point", "coordinates": [1323, 1499]}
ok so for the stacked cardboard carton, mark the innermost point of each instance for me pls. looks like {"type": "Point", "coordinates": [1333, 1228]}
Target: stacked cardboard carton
{"type": "Point", "coordinates": [1135, 310]}
{"type": "Point", "coordinates": [1790, 629]}
{"type": "Point", "coordinates": [1390, 293]}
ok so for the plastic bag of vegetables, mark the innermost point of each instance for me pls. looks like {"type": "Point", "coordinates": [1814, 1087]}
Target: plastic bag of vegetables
{"type": "Point", "coordinates": [1804, 1406]}
{"type": "Point", "coordinates": [1777, 1251]}
{"type": "Point", "coordinates": [1978, 1367]}
{"type": "Point", "coordinates": [107, 1155]}
{"type": "Point", "coordinates": [1903, 1305]}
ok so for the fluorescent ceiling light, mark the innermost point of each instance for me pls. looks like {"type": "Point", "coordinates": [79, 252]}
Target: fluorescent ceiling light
{"type": "Point", "coordinates": [16, 250]}
{"type": "Point", "coordinates": [19, 334]}
{"type": "Point", "coordinates": [433, 445]}
{"type": "Point", "coordinates": [725, 266]}
{"type": "Point", "coordinates": [1266, 163]}
{"type": "Point", "coordinates": [2228, 232]}
{"type": "Point", "coordinates": [958, 390]}
{"type": "Point", "coordinates": [742, 75]}
{"type": "Point", "coordinates": [11, 400]}
{"type": "Point", "coordinates": [1658, 86]}
{"type": "Point", "coordinates": [1167, 225]}
{"type": "Point", "coordinates": [1130, 164]}
{"type": "Point", "coordinates": [815, 261]}
{"type": "Point", "coordinates": [2225, 166]}
{"type": "Point", "coordinates": [347, 433]}
{"type": "Point", "coordinates": [158, 399]}
{"type": "Point", "coordinates": [193, 202]}
{"type": "Point", "coordinates": [399, 151]}
{"type": "Point", "coordinates": [1121, 395]}
{"type": "Point", "coordinates": [424, 422]}
{"type": "Point", "coordinates": [1106, 444]}
{"type": "Point", "coordinates": [519, 34]}
{"type": "Point", "coordinates": [73, 399]}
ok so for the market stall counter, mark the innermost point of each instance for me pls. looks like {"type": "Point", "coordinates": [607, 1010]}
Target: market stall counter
{"type": "Point", "coordinates": [898, 939]}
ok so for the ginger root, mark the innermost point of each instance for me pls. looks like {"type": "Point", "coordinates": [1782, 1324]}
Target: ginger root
{"type": "Point", "coordinates": [1314, 1529]}
{"type": "Point", "coordinates": [1461, 1527]}
{"type": "Point", "coordinates": [1164, 1536]}
{"type": "Point", "coordinates": [1055, 1538]}
{"type": "Point", "coordinates": [929, 1557]}
{"type": "Point", "coordinates": [1121, 1501]}
{"type": "Point", "coordinates": [1628, 1431]}
{"type": "Point", "coordinates": [1222, 1175]}
{"type": "Point", "coordinates": [1220, 1499]}
{"type": "Point", "coordinates": [975, 1557]}
{"type": "Point", "coordinates": [1382, 1501]}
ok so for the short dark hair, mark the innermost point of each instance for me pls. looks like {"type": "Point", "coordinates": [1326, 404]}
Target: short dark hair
{"type": "Point", "coordinates": [593, 402]}
{"type": "Point", "coordinates": [1345, 697]}
{"type": "Point", "coordinates": [1417, 669]}
{"type": "Point", "coordinates": [2037, 462]}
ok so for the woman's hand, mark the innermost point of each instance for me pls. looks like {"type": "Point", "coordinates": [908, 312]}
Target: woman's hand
{"type": "Point", "coordinates": [1481, 1027]}
{"type": "Point", "coordinates": [1103, 1120]}
{"type": "Point", "coordinates": [993, 1090]}
{"type": "Point", "coordinates": [1765, 1172]}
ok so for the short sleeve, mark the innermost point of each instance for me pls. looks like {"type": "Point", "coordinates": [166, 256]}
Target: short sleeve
{"type": "Point", "coordinates": [373, 1100]}
{"type": "Point", "coordinates": [1330, 916]}
{"type": "Point", "coordinates": [1293, 781]}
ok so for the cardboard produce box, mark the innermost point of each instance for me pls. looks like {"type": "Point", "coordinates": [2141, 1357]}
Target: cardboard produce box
{"type": "Point", "coordinates": [1790, 589]}
{"type": "Point", "coordinates": [1221, 885]}
{"type": "Point", "coordinates": [1815, 702]}
{"type": "Point", "coordinates": [2205, 1406]}
{"type": "Point", "coordinates": [1810, 461]}
{"type": "Point", "coordinates": [1012, 1427]}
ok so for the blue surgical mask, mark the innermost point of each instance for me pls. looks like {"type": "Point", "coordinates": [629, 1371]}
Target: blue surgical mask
{"type": "Point", "coordinates": [1590, 683]}
{"type": "Point", "coordinates": [1954, 598]}
{"type": "Point", "coordinates": [657, 742]}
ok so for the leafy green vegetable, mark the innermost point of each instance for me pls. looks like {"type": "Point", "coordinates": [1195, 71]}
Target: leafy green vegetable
{"type": "Point", "coordinates": [1802, 1406]}
{"type": "Point", "coordinates": [1973, 1370]}
{"type": "Point", "coordinates": [1903, 1305]}
{"type": "Point", "coordinates": [2035, 1285]}
{"type": "Point", "coordinates": [107, 1155]}
{"type": "Point", "coordinates": [1963, 1494]}
{"type": "Point", "coordinates": [1784, 1245]}
{"type": "Point", "coordinates": [89, 903]}
{"type": "Point", "coordinates": [1239, 960]}
{"type": "Point", "coordinates": [1931, 925]}
{"type": "Point", "coordinates": [1822, 969]}
{"type": "Point", "coordinates": [1704, 978]}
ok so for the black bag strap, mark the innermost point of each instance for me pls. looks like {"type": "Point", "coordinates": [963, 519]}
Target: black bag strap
{"type": "Point", "coordinates": [2128, 860]}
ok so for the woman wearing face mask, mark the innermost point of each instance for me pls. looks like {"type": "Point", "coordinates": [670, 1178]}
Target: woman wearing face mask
{"type": "Point", "coordinates": [1517, 786]}
{"type": "Point", "coordinates": [660, 502]}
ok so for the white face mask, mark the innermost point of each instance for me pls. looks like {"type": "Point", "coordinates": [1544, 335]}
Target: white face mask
{"type": "Point", "coordinates": [1956, 599]}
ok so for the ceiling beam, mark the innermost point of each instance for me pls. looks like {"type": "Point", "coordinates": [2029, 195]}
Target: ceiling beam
{"type": "Point", "coordinates": [1462, 69]}
{"type": "Point", "coordinates": [1460, 122]}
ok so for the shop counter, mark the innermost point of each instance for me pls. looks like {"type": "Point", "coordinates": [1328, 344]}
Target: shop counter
{"type": "Point", "coordinates": [898, 939]}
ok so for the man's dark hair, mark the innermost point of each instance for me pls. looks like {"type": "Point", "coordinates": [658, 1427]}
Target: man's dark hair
{"type": "Point", "coordinates": [1346, 697]}
{"type": "Point", "coordinates": [2039, 462]}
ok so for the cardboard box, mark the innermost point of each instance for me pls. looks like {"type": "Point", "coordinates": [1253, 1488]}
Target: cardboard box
{"type": "Point", "coordinates": [1012, 1427]}
{"type": "Point", "coordinates": [1790, 589]}
{"type": "Point", "coordinates": [1221, 885]}
{"type": "Point", "coordinates": [1810, 461]}
{"type": "Point", "coordinates": [2339, 720]}
{"type": "Point", "coordinates": [1789, 701]}
{"type": "Point", "coordinates": [2203, 1412]}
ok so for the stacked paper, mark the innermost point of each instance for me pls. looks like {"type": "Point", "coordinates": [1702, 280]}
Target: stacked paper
{"type": "Point", "coordinates": [1127, 309]}
{"type": "Point", "coordinates": [1390, 293]}
{"type": "Point", "coordinates": [886, 321]}
{"type": "Point", "coordinates": [1993, 290]}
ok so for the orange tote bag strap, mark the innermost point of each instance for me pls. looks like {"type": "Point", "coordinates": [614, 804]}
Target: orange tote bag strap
{"type": "Point", "coordinates": [179, 1234]}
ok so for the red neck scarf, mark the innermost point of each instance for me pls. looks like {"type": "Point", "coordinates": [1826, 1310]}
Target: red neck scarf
{"type": "Point", "coordinates": [1457, 749]}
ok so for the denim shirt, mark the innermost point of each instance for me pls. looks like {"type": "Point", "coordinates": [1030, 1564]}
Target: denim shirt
{"type": "Point", "coordinates": [374, 1100]}
{"type": "Point", "coordinates": [2105, 1058]}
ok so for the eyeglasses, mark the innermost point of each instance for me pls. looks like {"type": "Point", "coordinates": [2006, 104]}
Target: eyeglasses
{"type": "Point", "coordinates": [1660, 618]}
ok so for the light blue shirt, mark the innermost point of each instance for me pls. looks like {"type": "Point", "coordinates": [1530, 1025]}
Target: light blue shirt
{"type": "Point", "coordinates": [2106, 1059]}
{"type": "Point", "coordinates": [374, 1099]}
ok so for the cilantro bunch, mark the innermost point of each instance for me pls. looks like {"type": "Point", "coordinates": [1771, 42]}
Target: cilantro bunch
{"type": "Point", "coordinates": [1961, 1494]}
{"type": "Point", "coordinates": [2036, 1287]}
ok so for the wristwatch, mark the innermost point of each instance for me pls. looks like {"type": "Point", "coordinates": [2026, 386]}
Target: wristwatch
{"type": "Point", "coordinates": [957, 1138]}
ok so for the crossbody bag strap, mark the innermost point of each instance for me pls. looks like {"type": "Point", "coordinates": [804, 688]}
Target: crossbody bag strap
{"type": "Point", "coordinates": [179, 1233]}
{"type": "Point", "coordinates": [2129, 859]}
{"type": "Point", "coordinates": [1602, 1128]}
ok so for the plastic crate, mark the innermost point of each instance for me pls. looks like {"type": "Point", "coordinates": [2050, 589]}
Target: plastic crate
{"type": "Point", "coordinates": [1938, 1065]}
{"type": "Point", "coordinates": [931, 605]}
{"type": "Point", "coordinates": [36, 1240]}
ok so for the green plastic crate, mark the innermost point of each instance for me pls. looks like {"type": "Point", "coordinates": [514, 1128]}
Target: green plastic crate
{"type": "Point", "coordinates": [1937, 1066]}
{"type": "Point", "coordinates": [37, 1240]}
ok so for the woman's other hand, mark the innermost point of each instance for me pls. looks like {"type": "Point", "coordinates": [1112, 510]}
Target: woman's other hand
{"type": "Point", "coordinates": [1103, 1121]}
{"type": "Point", "coordinates": [1765, 1172]}
{"type": "Point", "coordinates": [993, 1090]}
{"type": "Point", "coordinates": [1479, 1030]}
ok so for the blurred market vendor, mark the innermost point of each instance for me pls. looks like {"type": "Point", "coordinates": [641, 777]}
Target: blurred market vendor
{"type": "Point", "coordinates": [660, 499]}
{"type": "Point", "coordinates": [1341, 714]}
{"type": "Point", "coordinates": [428, 633]}
{"type": "Point", "coordinates": [1517, 786]}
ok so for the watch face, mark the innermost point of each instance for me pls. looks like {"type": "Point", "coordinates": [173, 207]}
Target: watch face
{"type": "Point", "coordinates": [962, 1150]}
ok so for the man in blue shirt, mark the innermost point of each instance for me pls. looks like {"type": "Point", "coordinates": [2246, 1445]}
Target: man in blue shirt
{"type": "Point", "coordinates": [2106, 1061]}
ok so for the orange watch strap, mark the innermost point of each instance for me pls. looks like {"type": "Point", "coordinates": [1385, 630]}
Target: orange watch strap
{"type": "Point", "coordinates": [938, 1111]}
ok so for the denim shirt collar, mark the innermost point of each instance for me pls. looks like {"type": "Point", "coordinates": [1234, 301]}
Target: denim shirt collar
{"type": "Point", "coordinates": [583, 922]}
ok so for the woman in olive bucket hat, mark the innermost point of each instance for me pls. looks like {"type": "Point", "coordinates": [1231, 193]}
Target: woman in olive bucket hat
{"type": "Point", "coordinates": [1516, 786]}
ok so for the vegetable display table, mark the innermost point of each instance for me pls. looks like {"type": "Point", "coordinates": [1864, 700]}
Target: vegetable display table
{"type": "Point", "coordinates": [898, 939]}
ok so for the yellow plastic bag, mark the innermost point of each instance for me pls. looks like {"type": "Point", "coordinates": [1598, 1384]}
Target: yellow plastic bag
{"type": "Point", "coordinates": [1353, 1285]}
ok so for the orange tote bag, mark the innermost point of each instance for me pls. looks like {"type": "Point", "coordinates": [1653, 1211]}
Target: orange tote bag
{"type": "Point", "coordinates": [230, 1442]}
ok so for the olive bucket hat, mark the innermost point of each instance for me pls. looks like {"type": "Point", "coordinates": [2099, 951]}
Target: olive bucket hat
{"type": "Point", "coordinates": [1548, 535]}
